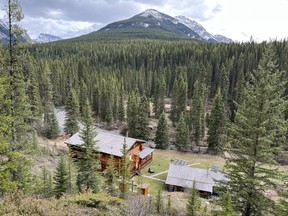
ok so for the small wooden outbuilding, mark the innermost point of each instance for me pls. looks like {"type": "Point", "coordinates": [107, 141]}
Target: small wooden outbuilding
{"type": "Point", "coordinates": [180, 178]}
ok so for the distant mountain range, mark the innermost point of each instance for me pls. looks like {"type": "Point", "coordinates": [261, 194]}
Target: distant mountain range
{"type": "Point", "coordinates": [150, 24]}
{"type": "Point", "coordinates": [46, 38]}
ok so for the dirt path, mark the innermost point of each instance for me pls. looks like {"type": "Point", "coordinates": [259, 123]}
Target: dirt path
{"type": "Point", "coordinates": [150, 177]}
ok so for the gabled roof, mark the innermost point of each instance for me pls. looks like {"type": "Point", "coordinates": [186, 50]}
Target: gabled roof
{"type": "Point", "coordinates": [106, 142]}
{"type": "Point", "coordinates": [184, 176]}
{"type": "Point", "coordinates": [145, 152]}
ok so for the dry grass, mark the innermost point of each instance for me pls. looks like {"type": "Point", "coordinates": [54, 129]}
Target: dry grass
{"type": "Point", "coordinates": [48, 154]}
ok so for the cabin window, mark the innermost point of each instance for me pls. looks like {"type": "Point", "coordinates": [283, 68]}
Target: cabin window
{"type": "Point", "coordinates": [130, 156]}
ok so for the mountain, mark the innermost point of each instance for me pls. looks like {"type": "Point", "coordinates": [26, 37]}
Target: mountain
{"type": "Point", "coordinates": [4, 34]}
{"type": "Point", "coordinates": [222, 39]}
{"type": "Point", "coordinates": [150, 24]}
{"type": "Point", "coordinates": [200, 30]}
{"type": "Point", "coordinates": [46, 38]}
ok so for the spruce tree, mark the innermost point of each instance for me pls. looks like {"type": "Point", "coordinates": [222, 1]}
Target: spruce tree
{"type": "Point", "coordinates": [124, 170]}
{"type": "Point", "coordinates": [197, 111]}
{"type": "Point", "coordinates": [121, 111]}
{"type": "Point", "coordinates": [182, 134]}
{"type": "Point", "coordinates": [61, 178]}
{"type": "Point", "coordinates": [159, 97]}
{"type": "Point", "coordinates": [179, 95]}
{"type": "Point", "coordinates": [111, 179]}
{"type": "Point", "coordinates": [88, 165]}
{"type": "Point", "coordinates": [51, 125]}
{"type": "Point", "coordinates": [255, 137]}
{"type": "Point", "coordinates": [71, 125]}
{"type": "Point", "coordinates": [132, 115]}
{"type": "Point", "coordinates": [227, 209]}
{"type": "Point", "coordinates": [142, 121]}
{"type": "Point", "coordinates": [47, 184]}
{"type": "Point", "coordinates": [217, 126]}
{"type": "Point", "coordinates": [161, 137]}
{"type": "Point", "coordinates": [194, 202]}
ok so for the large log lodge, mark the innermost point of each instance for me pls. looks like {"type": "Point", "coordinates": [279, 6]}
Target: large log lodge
{"type": "Point", "coordinates": [109, 144]}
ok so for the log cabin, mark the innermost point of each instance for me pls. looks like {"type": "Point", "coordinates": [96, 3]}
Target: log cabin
{"type": "Point", "coordinates": [111, 144]}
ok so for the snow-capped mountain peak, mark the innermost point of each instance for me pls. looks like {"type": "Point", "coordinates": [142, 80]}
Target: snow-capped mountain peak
{"type": "Point", "coordinates": [45, 38]}
{"type": "Point", "coordinates": [152, 12]}
{"type": "Point", "coordinates": [200, 30]}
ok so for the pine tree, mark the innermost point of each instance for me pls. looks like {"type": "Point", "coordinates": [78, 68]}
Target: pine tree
{"type": "Point", "coordinates": [121, 111]}
{"type": "Point", "coordinates": [61, 178]}
{"type": "Point", "coordinates": [124, 171]}
{"type": "Point", "coordinates": [47, 183]}
{"type": "Point", "coordinates": [88, 177]}
{"type": "Point", "coordinates": [33, 93]}
{"type": "Point", "coordinates": [83, 96]}
{"type": "Point", "coordinates": [182, 134]}
{"type": "Point", "coordinates": [255, 137]}
{"type": "Point", "coordinates": [71, 125]}
{"type": "Point", "coordinates": [194, 203]}
{"type": "Point", "coordinates": [159, 97]}
{"type": "Point", "coordinates": [132, 115]}
{"type": "Point", "coordinates": [111, 179]}
{"type": "Point", "coordinates": [227, 209]}
{"type": "Point", "coordinates": [197, 111]}
{"type": "Point", "coordinates": [217, 126]}
{"type": "Point", "coordinates": [161, 137]}
{"type": "Point", "coordinates": [51, 125]}
{"type": "Point", "coordinates": [179, 95]}
{"type": "Point", "coordinates": [159, 202]}
{"type": "Point", "coordinates": [142, 121]}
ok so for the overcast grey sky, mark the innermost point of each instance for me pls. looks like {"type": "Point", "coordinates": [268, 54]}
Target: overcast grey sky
{"type": "Point", "coordinates": [237, 19]}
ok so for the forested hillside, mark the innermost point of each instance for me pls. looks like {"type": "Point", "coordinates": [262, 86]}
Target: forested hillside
{"type": "Point", "coordinates": [139, 65]}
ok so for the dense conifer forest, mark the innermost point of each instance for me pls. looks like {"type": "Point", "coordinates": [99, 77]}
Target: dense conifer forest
{"type": "Point", "coordinates": [230, 98]}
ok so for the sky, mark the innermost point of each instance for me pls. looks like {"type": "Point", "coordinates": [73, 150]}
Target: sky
{"type": "Point", "coordinates": [236, 19]}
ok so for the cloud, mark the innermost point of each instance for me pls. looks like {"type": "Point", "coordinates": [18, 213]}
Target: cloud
{"type": "Point", "coordinates": [62, 28]}
{"type": "Point", "coordinates": [103, 11]}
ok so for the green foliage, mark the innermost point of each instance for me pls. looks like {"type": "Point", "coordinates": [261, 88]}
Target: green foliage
{"type": "Point", "coordinates": [159, 202]}
{"type": "Point", "coordinates": [197, 111]}
{"type": "Point", "coordinates": [111, 178]}
{"type": "Point", "coordinates": [256, 137]}
{"type": "Point", "coordinates": [124, 171]}
{"type": "Point", "coordinates": [88, 165]}
{"type": "Point", "coordinates": [159, 97]}
{"type": "Point", "coordinates": [161, 137]}
{"type": "Point", "coordinates": [89, 204]}
{"type": "Point", "coordinates": [194, 203]}
{"type": "Point", "coordinates": [51, 127]}
{"type": "Point", "coordinates": [47, 183]}
{"type": "Point", "coordinates": [217, 126]}
{"type": "Point", "coordinates": [102, 202]}
{"type": "Point", "coordinates": [227, 209]}
{"type": "Point", "coordinates": [71, 125]}
{"type": "Point", "coordinates": [61, 181]}
{"type": "Point", "coordinates": [179, 95]}
{"type": "Point", "coordinates": [182, 134]}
